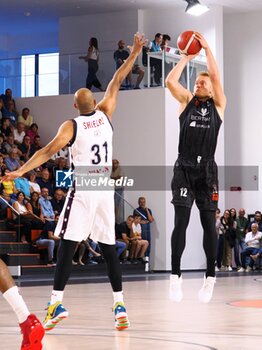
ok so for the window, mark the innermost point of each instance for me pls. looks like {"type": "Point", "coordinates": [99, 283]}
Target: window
{"type": "Point", "coordinates": [40, 75]}
{"type": "Point", "coordinates": [28, 76]}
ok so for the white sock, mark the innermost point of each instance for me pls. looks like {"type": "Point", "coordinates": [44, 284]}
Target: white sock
{"type": "Point", "coordinates": [15, 300]}
{"type": "Point", "coordinates": [118, 297]}
{"type": "Point", "coordinates": [57, 295]}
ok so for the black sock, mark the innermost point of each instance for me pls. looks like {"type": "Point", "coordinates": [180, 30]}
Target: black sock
{"type": "Point", "coordinates": [178, 239]}
{"type": "Point", "coordinates": [208, 221]}
{"type": "Point", "coordinates": [113, 266]}
{"type": "Point", "coordinates": [63, 269]}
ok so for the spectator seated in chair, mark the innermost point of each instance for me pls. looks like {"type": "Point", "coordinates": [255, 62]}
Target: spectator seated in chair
{"type": "Point", "coordinates": [136, 236]}
{"type": "Point", "coordinates": [253, 241]}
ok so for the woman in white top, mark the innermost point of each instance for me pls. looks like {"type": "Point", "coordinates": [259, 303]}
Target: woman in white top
{"type": "Point", "coordinates": [24, 218]}
{"type": "Point", "coordinates": [34, 187]}
{"type": "Point", "coordinates": [92, 58]}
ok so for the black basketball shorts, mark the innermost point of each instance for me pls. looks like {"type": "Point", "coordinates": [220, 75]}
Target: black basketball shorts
{"type": "Point", "coordinates": [197, 181]}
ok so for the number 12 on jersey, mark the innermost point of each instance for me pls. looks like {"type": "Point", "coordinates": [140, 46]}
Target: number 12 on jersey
{"type": "Point", "coordinates": [183, 192]}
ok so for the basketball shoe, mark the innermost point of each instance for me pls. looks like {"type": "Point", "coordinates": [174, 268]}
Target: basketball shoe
{"type": "Point", "coordinates": [121, 318]}
{"type": "Point", "coordinates": [206, 292]}
{"type": "Point", "coordinates": [55, 314]}
{"type": "Point", "coordinates": [175, 288]}
{"type": "Point", "coordinates": [33, 333]}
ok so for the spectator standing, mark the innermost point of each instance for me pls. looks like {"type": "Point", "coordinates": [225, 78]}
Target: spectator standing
{"type": "Point", "coordinates": [92, 59]}
{"type": "Point", "coordinates": [258, 220]}
{"type": "Point", "coordinates": [146, 219]}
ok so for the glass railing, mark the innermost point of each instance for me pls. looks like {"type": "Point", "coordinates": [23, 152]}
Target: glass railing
{"type": "Point", "coordinates": [71, 73]}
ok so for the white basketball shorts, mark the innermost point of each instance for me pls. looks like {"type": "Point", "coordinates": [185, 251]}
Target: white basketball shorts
{"type": "Point", "coordinates": [88, 212]}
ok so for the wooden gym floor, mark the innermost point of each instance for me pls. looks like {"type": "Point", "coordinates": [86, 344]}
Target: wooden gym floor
{"type": "Point", "coordinates": [232, 320]}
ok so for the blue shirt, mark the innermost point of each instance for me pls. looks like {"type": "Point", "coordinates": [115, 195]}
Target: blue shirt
{"type": "Point", "coordinates": [12, 164]}
{"type": "Point", "coordinates": [45, 184]}
{"type": "Point", "coordinates": [155, 47]}
{"type": "Point", "coordinates": [46, 207]}
{"type": "Point", "coordinates": [22, 184]}
{"type": "Point", "coordinates": [10, 115]}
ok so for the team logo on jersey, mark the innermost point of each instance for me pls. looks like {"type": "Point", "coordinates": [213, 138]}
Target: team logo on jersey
{"type": "Point", "coordinates": [64, 178]}
{"type": "Point", "coordinates": [203, 112]}
{"type": "Point", "coordinates": [97, 132]}
{"type": "Point", "coordinates": [193, 124]}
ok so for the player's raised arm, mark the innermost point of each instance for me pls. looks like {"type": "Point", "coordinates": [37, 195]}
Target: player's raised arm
{"type": "Point", "coordinates": [108, 103]}
{"type": "Point", "coordinates": [63, 136]}
{"type": "Point", "coordinates": [213, 71]}
{"type": "Point", "coordinates": [181, 94]}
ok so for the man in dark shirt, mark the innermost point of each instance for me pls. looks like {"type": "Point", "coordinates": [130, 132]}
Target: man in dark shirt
{"type": "Point", "coordinates": [120, 56]}
{"type": "Point", "coordinates": [146, 219]}
{"type": "Point", "coordinates": [195, 171]}
{"type": "Point", "coordinates": [58, 202]}
{"type": "Point", "coordinates": [124, 233]}
{"type": "Point", "coordinates": [45, 182]}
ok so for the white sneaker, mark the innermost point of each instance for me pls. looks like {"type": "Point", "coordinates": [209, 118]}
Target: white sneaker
{"type": "Point", "coordinates": [241, 269]}
{"type": "Point", "coordinates": [248, 269]}
{"type": "Point", "coordinates": [217, 269]}
{"type": "Point", "coordinates": [230, 268]}
{"type": "Point", "coordinates": [175, 290]}
{"type": "Point", "coordinates": [206, 292]}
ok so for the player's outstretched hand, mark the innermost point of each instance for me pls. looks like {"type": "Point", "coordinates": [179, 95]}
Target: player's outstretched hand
{"type": "Point", "coordinates": [139, 42]}
{"type": "Point", "coordinates": [11, 176]}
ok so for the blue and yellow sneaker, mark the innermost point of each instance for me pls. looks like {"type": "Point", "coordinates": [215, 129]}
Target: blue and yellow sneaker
{"type": "Point", "coordinates": [55, 314]}
{"type": "Point", "coordinates": [121, 318]}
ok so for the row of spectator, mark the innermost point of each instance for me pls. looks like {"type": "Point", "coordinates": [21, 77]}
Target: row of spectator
{"type": "Point", "coordinates": [242, 236]}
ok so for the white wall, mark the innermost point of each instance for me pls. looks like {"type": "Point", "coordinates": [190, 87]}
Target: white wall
{"type": "Point", "coordinates": [243, 76]}
{"type": "Point", "coordinates": [74, 35]}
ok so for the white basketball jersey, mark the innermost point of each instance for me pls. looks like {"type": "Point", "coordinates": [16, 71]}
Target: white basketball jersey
{"type": "Point", "coordinates": [92, 144]}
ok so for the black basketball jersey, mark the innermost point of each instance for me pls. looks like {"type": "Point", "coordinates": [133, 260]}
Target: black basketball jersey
{"type": "Point", "coordinates": [199, 127]}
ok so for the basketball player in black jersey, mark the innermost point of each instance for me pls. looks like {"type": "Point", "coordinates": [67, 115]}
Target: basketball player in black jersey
{"type": "Point", "coordinates": [195, 171]}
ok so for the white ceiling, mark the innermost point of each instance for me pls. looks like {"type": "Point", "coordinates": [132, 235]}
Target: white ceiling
{"type": "Point", "coordinates": [61, 8]}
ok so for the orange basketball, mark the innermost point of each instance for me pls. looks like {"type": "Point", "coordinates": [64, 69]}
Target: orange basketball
{"type": "Point", "coordinates": [188, 44]}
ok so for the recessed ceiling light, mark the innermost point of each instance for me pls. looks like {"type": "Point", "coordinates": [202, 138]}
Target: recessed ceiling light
{"type": "Point", "coordinates": [195, 8]}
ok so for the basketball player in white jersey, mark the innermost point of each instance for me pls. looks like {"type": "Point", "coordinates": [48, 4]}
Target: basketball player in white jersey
{"type": "Point", "coordinates": [90, 143]}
